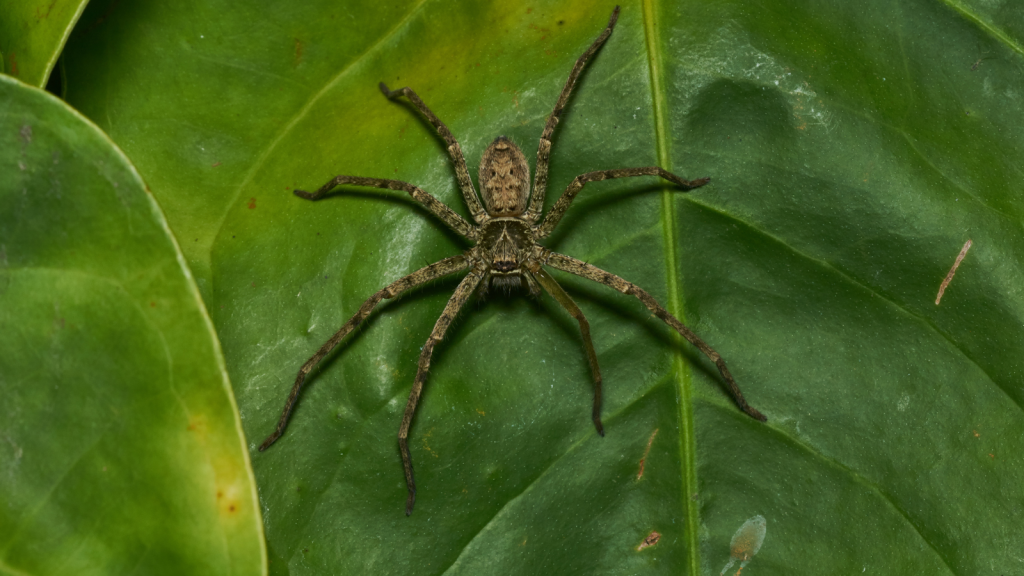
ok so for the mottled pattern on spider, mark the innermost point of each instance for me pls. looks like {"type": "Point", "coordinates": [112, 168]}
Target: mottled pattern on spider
{"type": "Point", "coordinates": [506, 252]}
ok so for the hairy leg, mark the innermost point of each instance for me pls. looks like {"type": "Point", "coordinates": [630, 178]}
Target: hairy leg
{"type": "Point", "coordinates": [421, 276]}
{"type": "Point", "coordinates": [560, 295]}
{"type": "Point", "coordinates": [462, 293]}
{"type": "Point", "coordinates": [454, 150]}
{"type": "Point", "coordinates": [540, 179]}
{"type": "Point", "coordinates": [435, 206]}
{"type": "Point", "coordinates": [591, 272]}
{"type": "Point", "coordinates": [560, 207]}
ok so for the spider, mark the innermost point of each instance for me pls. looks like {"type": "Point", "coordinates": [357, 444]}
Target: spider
{"type": "Point", "coordinates": [505, 253]}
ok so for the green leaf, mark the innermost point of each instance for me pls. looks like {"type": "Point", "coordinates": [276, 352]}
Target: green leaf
{"type": "Point", "coordinates": [32, 34]}
{"type": "Point", "coordinates": [121, 447]}
{"type": "Point", "coordinates": [853, 150]}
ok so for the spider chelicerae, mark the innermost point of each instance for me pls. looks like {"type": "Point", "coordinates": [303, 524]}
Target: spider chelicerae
{"type": "Point", "coordinates": [505, 251]}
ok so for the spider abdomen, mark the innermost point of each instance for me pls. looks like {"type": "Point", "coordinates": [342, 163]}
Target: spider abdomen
{"type": "Point", "coordinates": [504, 178]}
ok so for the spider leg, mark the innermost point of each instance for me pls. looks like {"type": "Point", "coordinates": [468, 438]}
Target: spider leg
{"type": "Point", "coordinates": [462, 293]}
{"type": "Point", "coordinates": [454, 150]}
{"type": "Point", "coordinates": [531, 285]}
{"type": "Point", "coordinates": [584, 270]}
{"type": "Point", "coordinates": [560, 295]}
{"type": "Point", "coordinates": [540, 178]}
{"type": "Point", "coordinates": [421, 276]}
{"type": "Point", "coordinates": [433, 205]}
{"type": "Point", "coordinates": [560, 207]}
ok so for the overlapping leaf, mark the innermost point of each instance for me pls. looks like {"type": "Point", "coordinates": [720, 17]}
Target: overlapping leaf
{"type": "Point", "coordinates": [121, 447]}
{"type": "Point", "coordinates": [32, 35]}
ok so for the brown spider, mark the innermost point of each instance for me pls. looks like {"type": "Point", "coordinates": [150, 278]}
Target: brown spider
{"type": "Point", "coordinates": [505, 253]}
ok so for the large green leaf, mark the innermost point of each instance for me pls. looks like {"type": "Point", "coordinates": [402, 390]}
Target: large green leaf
{"type": "Point", "coordinates": [122, 450]}
{"type": "Point", "coordinates": [854, 148]}
{"type": "Point", "coordinates": [32, 34]}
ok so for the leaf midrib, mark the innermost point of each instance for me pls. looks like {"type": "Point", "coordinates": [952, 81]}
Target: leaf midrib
{"type": "Point", "coordinates": [986, 26]}
{"type": "Point", "coordinates": [674, 305]}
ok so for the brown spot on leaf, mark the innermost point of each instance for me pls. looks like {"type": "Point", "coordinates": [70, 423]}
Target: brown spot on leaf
{"type": "Point", "coordinates": [40, 15]}
{"type": "Point", "coordinates": [215, 164]}
{"type": "Point", "coordinates": [640, 473]}
{"type": "Point", "coordinates": [952, 271]}
{"type": "Point", "coordinates": [299, 48]}
{"type": "Point", "coordinates": [651, 540]}
{"type": "Point", "coordinates": [426, 445]}
{"type": "Point", "coordinates": [198, 425]}
{"type": "Point", "coordinates": [252, 203]}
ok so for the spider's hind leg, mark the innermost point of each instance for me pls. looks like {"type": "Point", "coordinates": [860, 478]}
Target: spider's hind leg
{"type": "Point", "coordinates": [591, 272]}
{"type": "Point", "coordinates": [421, 276]}
{"type": "Point", "coordinates": [462, 294]}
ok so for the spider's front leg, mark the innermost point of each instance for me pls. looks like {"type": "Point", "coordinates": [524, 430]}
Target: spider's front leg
{"type": "Point", "coordinates": [454, 150]}
{"type": "Point", "coordinates": [540, 178]}
{"type": "Point", "coordinates": [462, 293]}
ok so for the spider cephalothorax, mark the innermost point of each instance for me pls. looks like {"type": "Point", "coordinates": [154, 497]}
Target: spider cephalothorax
{"type": "Point", "coordinates": [504, 246]}
{"type": "Point", "coordinates": [506, 253]}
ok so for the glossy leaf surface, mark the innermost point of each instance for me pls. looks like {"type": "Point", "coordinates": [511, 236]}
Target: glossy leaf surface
{"type": "Point", "coordinates": [122, 451]}
{"type": "Point", "coordinates": [853, 151]}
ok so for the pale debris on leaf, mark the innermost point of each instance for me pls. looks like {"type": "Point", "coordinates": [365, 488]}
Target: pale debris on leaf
{"type": "Point", "coordinates": [746, 542]}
